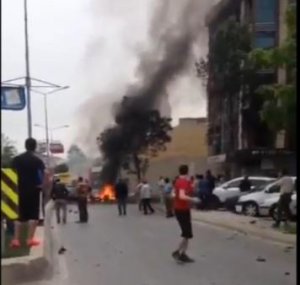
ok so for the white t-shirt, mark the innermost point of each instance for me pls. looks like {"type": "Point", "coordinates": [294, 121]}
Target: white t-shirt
{"type": "Point", "coordinates": [286, 184]}
{"type": "Point", "coordinates": [145, 191]}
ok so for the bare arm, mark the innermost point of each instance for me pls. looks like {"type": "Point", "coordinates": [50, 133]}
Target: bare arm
{"type": "Point", "coordinates": [278, 182]}
{"type": "Point", "coordinates": [183, 196]}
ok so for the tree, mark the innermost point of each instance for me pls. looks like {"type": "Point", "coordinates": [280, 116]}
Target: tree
{"type": "Point", "coordinates": [279, 110]}
{"type": "Point", "coordinates": [227, 71]}
{"type": "Point", "coordinates": [132, 146]}
{"type": "Point", "coordinates": [8, 151]}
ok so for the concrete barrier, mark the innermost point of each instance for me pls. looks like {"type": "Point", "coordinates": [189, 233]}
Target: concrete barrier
{"type": "Point", "coordinates": [38, 264]}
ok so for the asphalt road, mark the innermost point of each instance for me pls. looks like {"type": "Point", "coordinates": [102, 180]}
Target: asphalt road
{"type": "Point", "coordinates": [136, 250]}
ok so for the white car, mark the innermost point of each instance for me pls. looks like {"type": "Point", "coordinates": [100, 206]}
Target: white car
{"type": "Point", "coordinates": [231, 189]}
{"type": "Point", "coordinates": [250, 204]}
{"type": "Point", "coordinates": [270, 207]}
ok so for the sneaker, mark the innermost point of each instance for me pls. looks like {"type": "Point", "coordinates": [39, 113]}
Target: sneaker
{"type": "Point", "coordinates": [33, 242]}
{"type": "Point", "coordinates": [176, 255]}
{"type": "Point", "coordinates": [15, 243]}
{"type": "Point", "coordinates": [184, 258]}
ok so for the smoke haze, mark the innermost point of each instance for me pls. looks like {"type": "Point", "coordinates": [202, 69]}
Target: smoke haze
{"type": "Point", "coordinates": [155, 60]}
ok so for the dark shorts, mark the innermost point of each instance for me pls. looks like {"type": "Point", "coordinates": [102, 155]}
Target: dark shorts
{"type": "Point", "coordinates": [184, 219]}
{"type": "Point", "coordinates": [29, 205]}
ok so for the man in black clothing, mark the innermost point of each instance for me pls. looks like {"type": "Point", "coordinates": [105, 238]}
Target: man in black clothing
{"type": "Point", "coordinates": [121, 189]}
{"type": "Point", "coordinates": [30, 170]}
{"type": "Point", "coordinates": [60, 195]}
{"type": "Point", "coordinates": [245, 185]}
{"type": "Point", "coordinates": [211, 182]}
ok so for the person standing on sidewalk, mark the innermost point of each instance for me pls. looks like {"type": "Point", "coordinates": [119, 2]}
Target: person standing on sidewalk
{"type": "Point", "coordinates": [211, 180]}
{"type": "Point", "coordinates": [245, 185]}
{"type": "Point", "coordinates": [203, 192]}
{"type": "Point", "coordinates": [121, 196]}
{"type": "Point", "coordinates": [168, 188]}
{"type": "Point", "coordinates": [287, 187]}
{"type": "Point", "coordinates": [182, 206]}
{"type": "Point", "coordinates": [82, 194]}
{"type": "Point", "coordinates": [146, 198]}
{"type": "Point", "coordinates": [30, 170]}
{"type": "Point", "coordinates": [60, 196]}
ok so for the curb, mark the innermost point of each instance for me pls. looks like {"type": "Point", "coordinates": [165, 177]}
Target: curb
{"type": "Point", "coordinates": [37, 264]}
{"type": "Point", "coordinates": [282, 238]}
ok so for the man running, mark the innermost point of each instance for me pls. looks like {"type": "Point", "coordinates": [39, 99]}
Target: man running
{"type": "Point", "coordinates": [182, 205]}
{"type": "Point", "coordinates": [30, 170]}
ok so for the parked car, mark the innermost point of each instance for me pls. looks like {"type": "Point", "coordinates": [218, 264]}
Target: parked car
{"type": "Point", "coordinates": [229, 192]}
{"type": "Point", "coordinates": [250, 204]}
{"type": "Point", "coordinates": [270, 207]}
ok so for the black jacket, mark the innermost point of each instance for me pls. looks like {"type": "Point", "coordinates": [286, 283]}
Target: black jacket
{"type": "Point", "coordinates": [245, 185]}
{"type": "Point", "coordinates": [59, 191]}
{"type": "Point", "coordinates": [121, 190]}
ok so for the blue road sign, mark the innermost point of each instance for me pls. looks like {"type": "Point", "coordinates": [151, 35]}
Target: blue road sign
{"type": "Point", "coordinates": [13, 98]}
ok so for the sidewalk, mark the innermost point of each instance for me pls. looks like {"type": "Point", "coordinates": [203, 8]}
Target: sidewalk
{"type": "Point", "coordinates": [36, 264]}
{"type": "Point", "coordinates": [258, 227]}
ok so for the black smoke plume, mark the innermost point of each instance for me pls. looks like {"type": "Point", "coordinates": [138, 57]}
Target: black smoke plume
{"type": "Point", "coordinates": [172, 45]}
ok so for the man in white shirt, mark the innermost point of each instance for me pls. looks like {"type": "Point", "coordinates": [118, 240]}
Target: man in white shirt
{"type": "Point", "coordinates": [161, 185]}
{"type": "Point", "coordinates": [287, 187]}
{"type": "Point", "coordinates": [145, 194]}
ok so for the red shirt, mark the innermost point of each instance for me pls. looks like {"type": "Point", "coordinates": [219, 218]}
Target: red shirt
{"type": "Point", "coordinates": [185, 184]}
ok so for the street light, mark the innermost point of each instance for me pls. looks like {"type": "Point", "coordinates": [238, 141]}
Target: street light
{"type": "Point", "coordinates": [46, 115]}
{"type": "Point", "coordinates": [52, 129]}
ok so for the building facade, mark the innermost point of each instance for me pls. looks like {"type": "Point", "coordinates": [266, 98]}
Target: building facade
{"type": "Point", "coordinates": [239, 141]}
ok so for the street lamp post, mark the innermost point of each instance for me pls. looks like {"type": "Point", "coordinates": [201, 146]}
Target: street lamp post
{"type": "Point", "coordinates": [27, 77]}
{"type": "Point", "coordinates": [46, 117]}
{"type": "Point", "coordinates": [47, 129]}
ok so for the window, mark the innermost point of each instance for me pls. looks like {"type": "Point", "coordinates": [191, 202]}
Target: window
{"type": "Point", "coordinates": [265, 11]}
{"type": "Point", "coordinates": [274, 189]}
{"type": "Point", "coordinates": [259, 182]}
{"type": "Point", "coordinates": [264, 40]}
{"type": "Point", "coordinates": [233, 184]}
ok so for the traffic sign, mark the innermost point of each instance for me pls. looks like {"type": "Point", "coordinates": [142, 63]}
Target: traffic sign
{"type": "Point", "coordinates": [13, 98]}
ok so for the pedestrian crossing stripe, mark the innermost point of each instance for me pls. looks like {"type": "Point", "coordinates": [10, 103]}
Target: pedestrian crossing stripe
{"type": "Point", "coordinates": [9, 194]}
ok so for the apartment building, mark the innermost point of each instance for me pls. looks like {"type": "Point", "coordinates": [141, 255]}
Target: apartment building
{"type": "Point", "coordinates": [238, 140]}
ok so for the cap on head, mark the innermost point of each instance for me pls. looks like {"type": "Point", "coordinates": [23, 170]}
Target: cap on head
{"type": "Point", "coordinates": [30, 144]}
{"type": "Point", "coordinates": [183, 169]}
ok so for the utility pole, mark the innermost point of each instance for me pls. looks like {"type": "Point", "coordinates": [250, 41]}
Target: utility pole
{"type": "Point", "coordinates": [27, 77]}
{"type": "Point", "coordinates": [47, 129]}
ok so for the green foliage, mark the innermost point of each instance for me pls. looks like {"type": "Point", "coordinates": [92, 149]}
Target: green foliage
{"type": "Point", "coordinates": [8, 151]}
{"type": "Point", "coordinates": [227, 62]}
{"type": "Point", "coordinates": [134, 151]}
{"type": "Point", "coordinates": [279, 110]}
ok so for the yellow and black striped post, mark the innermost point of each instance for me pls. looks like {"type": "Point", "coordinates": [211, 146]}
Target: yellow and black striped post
{"type": "Point", "coordinates": [9, 194]}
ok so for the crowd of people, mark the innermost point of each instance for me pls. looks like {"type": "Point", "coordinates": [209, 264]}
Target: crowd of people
{"type": "Point", "coordinates": [178, 195]}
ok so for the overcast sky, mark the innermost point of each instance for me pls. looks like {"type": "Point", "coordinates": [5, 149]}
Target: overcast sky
{"type": "Point", "coordinates": [86, 44]}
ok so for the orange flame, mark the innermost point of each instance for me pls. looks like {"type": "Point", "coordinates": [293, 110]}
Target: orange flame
{"type": "Point", "coordinates": [107, 193]}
